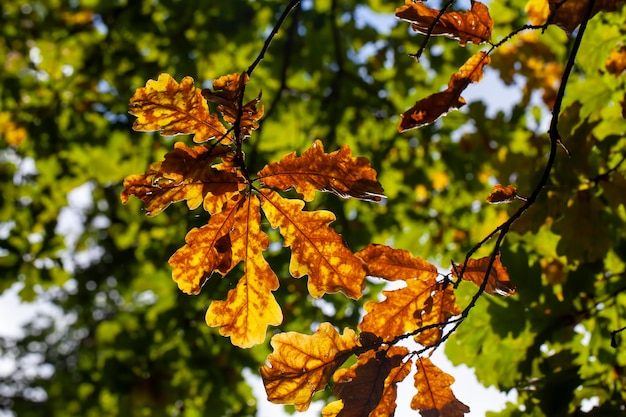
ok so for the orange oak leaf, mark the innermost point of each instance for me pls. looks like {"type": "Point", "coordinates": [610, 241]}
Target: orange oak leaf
{"type": "Point", "coordinates": [434, 396]}
{"type": "Point", "coordinates": [207, 249]}
{"type": "Point", "coordinates": [250, 307]}
{"type": "Point", "coordinates": [227, 95]}
{"type": "Point", "coordinates": [337, 172]}
{"type": "Point", "coordinates": [172, 109]}
{"type": "Point", "coordinates": [316, 249]}
{"type": "Point", "coordinates": [439, 308]}
{"type": "Point", "coordinates": [616, 62]}
{"type": "Point", "coordinates": [474, 26]}
{"type": "Point", "coordinates": [395, 264]}
{"type": "Point", "coordinates": [185, 174]}
{"type": "Point", "coordinates": [431, 108]}
{"type": "Point", "coordinates": [369, 387]}
{"type": "Point", "coordinates": [301, 365]}
{"type": "Point", "coordinates": [501, 195]}
{"type": "Point", "coordinates": [498, 281]}
{"type": "Point", "coordinates": [400, 312]}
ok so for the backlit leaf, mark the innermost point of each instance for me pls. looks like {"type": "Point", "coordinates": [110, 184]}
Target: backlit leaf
{"type": "Point", "coordinates": [569, 14]}
{"type": "Point", "coordinates": [316, 249]}
{"type": "Point", "coordinates": [337, 172]}
{"type": "Point", "coordinates": [500, 194]}
{"type": "Point", "coordinates": [301, 365]}
{"type": "Point", "coordinates": [172, 109]}
{"type": "Point", "coordinates": [474, 26]}
{"type": "Point", "coordinates": [207, 249]}
{"type": "Point", "coordinates": [434, 396]}
{"type": "Point", "coordinates": [226, 94]}
{"type": "Point", "coordinates": [369, 387]}
{"type": "Point", "coordinates": [395, 264]}
{"type": "Point", "coordinates": [185, 174]}
{"type": "Point", "coordinates": [616, 62]}
{"type": "Point", "coordinates": [498, 281]}
{"type": "Point", "coordinates": [439, 308]}
{"type": "Point", "coordinates": [431, 108]}
{"type": "Point", "coordinates": [250, 307]}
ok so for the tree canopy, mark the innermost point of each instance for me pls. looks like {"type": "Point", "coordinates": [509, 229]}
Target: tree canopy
{"type": "Point", "coordinates": [326, 148]}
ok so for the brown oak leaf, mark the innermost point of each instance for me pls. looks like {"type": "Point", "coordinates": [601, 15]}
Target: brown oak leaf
{"type": "Point", "coordinates": [501, 195]}
{"type": "Point", "coordinates": [336, 172]}
{"type": "Point", "coordinates": [474, 26]}
{"type": "Point", "coordinates": [498, 281]}
{"type": "Point", "coordinates": [434, 396]}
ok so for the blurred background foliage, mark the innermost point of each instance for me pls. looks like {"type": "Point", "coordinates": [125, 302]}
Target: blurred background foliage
{"type": "Point", "coordinates": [121, 339]}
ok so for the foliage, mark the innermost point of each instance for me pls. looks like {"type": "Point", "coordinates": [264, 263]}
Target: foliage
{"type": "Point", "coordinates": [132, 345]}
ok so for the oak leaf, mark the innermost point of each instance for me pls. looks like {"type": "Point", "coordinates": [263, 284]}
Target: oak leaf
{"type": "Point", "coordinates": [316, 249]}
{"type": "Point", "coordinates": [172, 109]}
{"type": "Point", "coordinates": [227, 95]}
{"type": "Point", "coordinates": [301, 365]}
{"type": "Point", "coordinates": [369, 387]}
{"type": "Point", "coordinates": [434, 396]}
{"type": "Point", "coordinates": [250, 307]}
{"type": "Point", "coordinates": [567, 14]}
{"type": "Point", "coordinates": [431, 108]}
{"type": "Point", "coordinates": [395, 264]}
{"type": "Point", "coordinates": [474, 26]}
{"type": "Point", "coordinates": [438, 309]}
{"type": "Point", "coordinates": [498, 281]}
{"type": "Point", "coordinates": [184, 174]}
{"type": "Point", "coordinates": [501, 195]}
{"type": "Point", "coordinates": [207, 249]}
{"type": "Point", "coordinates": [616, 62]}
{"type": "Point", "coordinates": [337, 172]}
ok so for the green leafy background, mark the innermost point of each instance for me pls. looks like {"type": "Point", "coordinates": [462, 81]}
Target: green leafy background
{"type": "Point", "coordinates": [128, 343]}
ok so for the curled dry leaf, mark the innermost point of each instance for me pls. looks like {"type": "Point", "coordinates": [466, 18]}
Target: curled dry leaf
{"type": "Point", "coordinates": [337, 172]}
{"type": "Point", "coordinates": [474, 26]}
{"type": "Point", "coordinates": [301, 365]}
{"type": "Point", "coordinates": [431, 108]}
{"type": "Point", "coordinates": [501, 195]}
{"type": "Point", "coordinates": [184, 174]}
{"type": "Point", "coordinates": [173, 109]}
{"type": "Point", "coordinates": [498, 281]}
{"type": "Point", "coordinates": [567, 14]}
{"type": "Point", "coordinates": [434, 396]}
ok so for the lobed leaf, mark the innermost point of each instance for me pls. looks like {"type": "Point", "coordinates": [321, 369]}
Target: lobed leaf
{"type": "Point", "coordinates": [369, 387]}
{"type": "Point", "coordinates": [567, 14]}
{"type": "Point", "coordinates": [172, 109]}
{"type": "Point", "coordinates": [395, 264]}
{"type": "Point", "coordinates": [207, 249]}
{"type": "Point", "coordinates": [227, 95]}
{"type": "Point", "coordinates": [474, 26]}
{"type": "Point", "coordinates": [439, 308]}
{"type": "Point", "coordinates": [431, 108]}
{"type": "Point", "coordinates": [501, 195]}
{"type": "Point", "coordinates": [250, 307]}
{"type": "Point", "coordinates": [316, 249]}
{"type": "Point", "coordinates": [337, 172]}
{"type": "Point", "coordinates": [301, 365]}
{"type": "Point", "coordinates": [434, 396]}
{"type": "Point", "coordinates": [498, 281]}
{"type": "Point", "coordinates": [185, 174]}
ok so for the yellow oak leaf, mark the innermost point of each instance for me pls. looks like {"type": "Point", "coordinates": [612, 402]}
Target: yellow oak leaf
{"type": "Point", "coordinates": [172, 109]}
{"type": "Point", "coordinates": [226, 94]}
{"type": "Point", "coordinates": [395, 264]}
{"type": "Point", "coordinates": [207, 249]}
{"type": "Point", "coordinates": [250, 307]}
{"type": "Point", "coordinates": [474, 26]}
{"type": "Point", "coordinates": [369, 387]}
{"type": "Point", "coordinates": [337, 172]}
{"type": "Point", "coordinates": [316, 249]}
{"type": "Point", "coordinates": [301, 365]}
{"type": "Point", "coordinates": [498, 281]}
{"type": "Point", "coordinates": [185, 174]}
{"type": "Point", "coordinates": [434, 396]}
{"type": "Point", "coordinates": [431, 108]}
